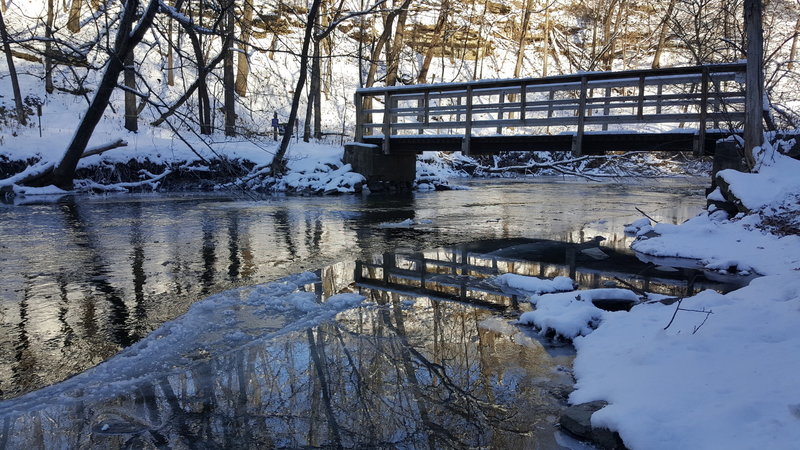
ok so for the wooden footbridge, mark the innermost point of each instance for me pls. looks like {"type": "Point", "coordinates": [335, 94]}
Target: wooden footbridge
{"type": "Point", "coordinates": [660, 110]}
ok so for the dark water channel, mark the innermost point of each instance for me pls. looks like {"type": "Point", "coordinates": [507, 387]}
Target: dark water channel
{"type": "Point", "coordinates": [422, 363]}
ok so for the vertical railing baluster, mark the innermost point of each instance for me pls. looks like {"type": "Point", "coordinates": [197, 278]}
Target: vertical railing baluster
{"type": "Point", "coordinates": [465, 144]}
{"type": "Point", "coordinates": [659, 93]}
{"type": "Point", "coordinates": [717, 102]}
{"type": "Point", "coordinates": [699, 147]}
{"type": "Point", "coordinates": [358, 101]}
{"type": "Point", "coordinates": [607, 106]}
{"type": "Point", "coordinates": [387, 122]}
{"type": "Point", "coordinates": [523, 103]}
{"type": "Point", "coordinates": [500, 112]}
{"type": "Point", "coordinates": [577, 141]}
{"type": "Point", "coordinates": [640, 101]}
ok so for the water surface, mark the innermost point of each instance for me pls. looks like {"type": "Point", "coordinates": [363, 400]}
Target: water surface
{"type": "Point", "coordinates": [87, 276]}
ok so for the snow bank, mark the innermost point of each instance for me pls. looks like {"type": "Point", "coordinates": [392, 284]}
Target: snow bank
{"type": "Point", "coordinates": [572, 314]}
{"type": "Point", "coordinates": [730, 384]}
{"type": "Point", "coordinates": [776, 179]}
{"type": "Point", "coordinates": [723, 373]}
{"type": "Point", "coordinates": [744, 243]}
{"type": "Point", "coordinates": [535, 285]}
{"type": "Point", "coordinates": [216, 325]}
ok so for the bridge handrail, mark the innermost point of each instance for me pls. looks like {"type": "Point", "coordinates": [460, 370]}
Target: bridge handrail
{"type": "Point", "coordinates": [736, 68]}
{"type": "Point", "coordinates": [467, 106]}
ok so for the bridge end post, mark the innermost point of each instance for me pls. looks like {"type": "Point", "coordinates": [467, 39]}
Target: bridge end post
{"type": "Point", "coordinates": [754, 81]}
{"type": "Point", "coordinates": [358, 101]}
{"type": "Point", "coordinates": [577, 140]}
{"type": "Point", "coordinates": [387, 122]}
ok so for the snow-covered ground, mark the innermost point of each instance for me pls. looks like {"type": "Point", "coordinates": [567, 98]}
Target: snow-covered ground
{"type": "Point", "coordinates": [711, 371]}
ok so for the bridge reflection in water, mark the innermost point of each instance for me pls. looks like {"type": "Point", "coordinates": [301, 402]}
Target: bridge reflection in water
{"type": "Point", "coordinates": [407, 368]}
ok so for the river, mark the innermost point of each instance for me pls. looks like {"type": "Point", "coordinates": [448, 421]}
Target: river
{"type": "Point", "coordinates": [86, 277]}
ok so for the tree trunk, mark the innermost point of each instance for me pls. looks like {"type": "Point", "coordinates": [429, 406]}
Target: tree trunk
{"type": "Point", "coordinates": [316, 87]}
{"type": "Point", "coordinates": [243, 65]}
{"type": "Point", "coordinates": [393, 58]}
{"type": "Point", "coordinates": [74, 19]}
{"type": "Point", "coordinates": [227, 75]}
{"type": "Point", "coordinates": [314, 90]}
{"type": "Point", "coordinates": [129, 76]}
{"type": "Point", "coordinates": [437, 40]}
{"type": "Point", "coordinates": [278, 165]}
{"type": "Point", "coordinates": [793, 50]}
{"type": "Point", "coordinates": [170, 57]}
{"type": "Point", "coordinates": [64, 172]}
{"type": "Point", "coordinates": [523, 33]}
{"type": "Point", "coordinates": [546, 44]}
{"type": "Point", "coordinates": [48, 48]}
{"type": "Point", "coordinates": [662, 35]}
{"type": "Point", "coordinates": [12, 72]}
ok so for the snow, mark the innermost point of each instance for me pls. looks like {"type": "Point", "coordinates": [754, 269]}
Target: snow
{"type": "Point", "coordinates": [722, 243]}
{"type": "Point", "coordinates": [776, 179]}
{"type": "Point", "coordinates": [218, 324]}
{"type": "Point", "coordinates": [535, 285]}
{"type": "Point", "coordinates": [45, 190]}
{"type": "Point", "coordinates": [732, 384]}
{"type": "Point", "coordinates": [638, 227]}
{"type": "Point", "coordinates": [570, 314]}
{"type": "Point", "coordinates": [723, 373]}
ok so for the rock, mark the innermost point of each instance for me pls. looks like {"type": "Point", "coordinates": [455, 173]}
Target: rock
{"type": "Point", "coordinates": [576, 420]}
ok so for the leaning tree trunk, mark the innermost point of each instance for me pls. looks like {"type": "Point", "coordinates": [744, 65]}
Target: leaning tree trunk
{"type": "Point", "coordinates": [64, 172]}
{"type": "Point", "coordinates": [278, 165]}
{"type": "Point", "coordinates": [436, 40]}
{"type": "Point", "coordinates": [12, 72]}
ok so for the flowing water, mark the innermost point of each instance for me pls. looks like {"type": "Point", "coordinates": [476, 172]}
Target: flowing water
{"type": "Point", "coordinates": [424, 362]}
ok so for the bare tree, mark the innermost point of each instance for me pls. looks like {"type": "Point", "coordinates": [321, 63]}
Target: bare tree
{"type": "Point", "coordinates": [63, 173]}
{"type": "Point", "coordinates": [12, 71]}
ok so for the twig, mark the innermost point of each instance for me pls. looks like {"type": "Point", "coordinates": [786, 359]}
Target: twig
{"type": "Point", "coordinates": [674, 313]}
{"type": "Point", "coordinates": [646, 215]}
{"type": "Point", "coordinates": [631, 287]}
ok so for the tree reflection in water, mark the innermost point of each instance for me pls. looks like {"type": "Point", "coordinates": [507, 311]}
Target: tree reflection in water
{"type": "Point", "coordinates": [399, 371]}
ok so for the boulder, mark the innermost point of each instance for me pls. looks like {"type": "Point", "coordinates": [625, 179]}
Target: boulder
{"type": "Point", "coordinates": [577, 421]}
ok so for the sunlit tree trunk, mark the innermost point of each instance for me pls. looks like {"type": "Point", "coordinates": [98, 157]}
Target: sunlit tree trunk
{"type": "Point", "coordinates": [793, 50]}
{"type": "Point", "coordinates": [393, 58]}
{"type": "Point", "coordinates": [243, 65]}
{"type": "Point", "coordinates": [523, 35]}
{"type": "Point", "coordinates": [662, 35]}
{"type": "Point", "coordinates": [436, 41]}
{"type": "Point", "coordinates": [74, 18]}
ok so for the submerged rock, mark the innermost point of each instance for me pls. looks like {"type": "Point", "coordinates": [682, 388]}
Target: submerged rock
{"type": "Point", "coordinates": [577, 420]}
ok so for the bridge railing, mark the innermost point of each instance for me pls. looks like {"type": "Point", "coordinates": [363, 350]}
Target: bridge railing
{"type": "Point", "coordinates": [694, 97]}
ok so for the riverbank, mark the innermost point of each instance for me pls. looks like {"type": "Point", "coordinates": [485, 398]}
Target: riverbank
{"type": "Point", "coordinates": [144, 162]}
{"type": "Point", "coordinates": [711, 370]}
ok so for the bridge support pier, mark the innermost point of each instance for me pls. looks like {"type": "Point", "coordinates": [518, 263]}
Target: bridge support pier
{"type": "Point", "coordinates": [395, 171]}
